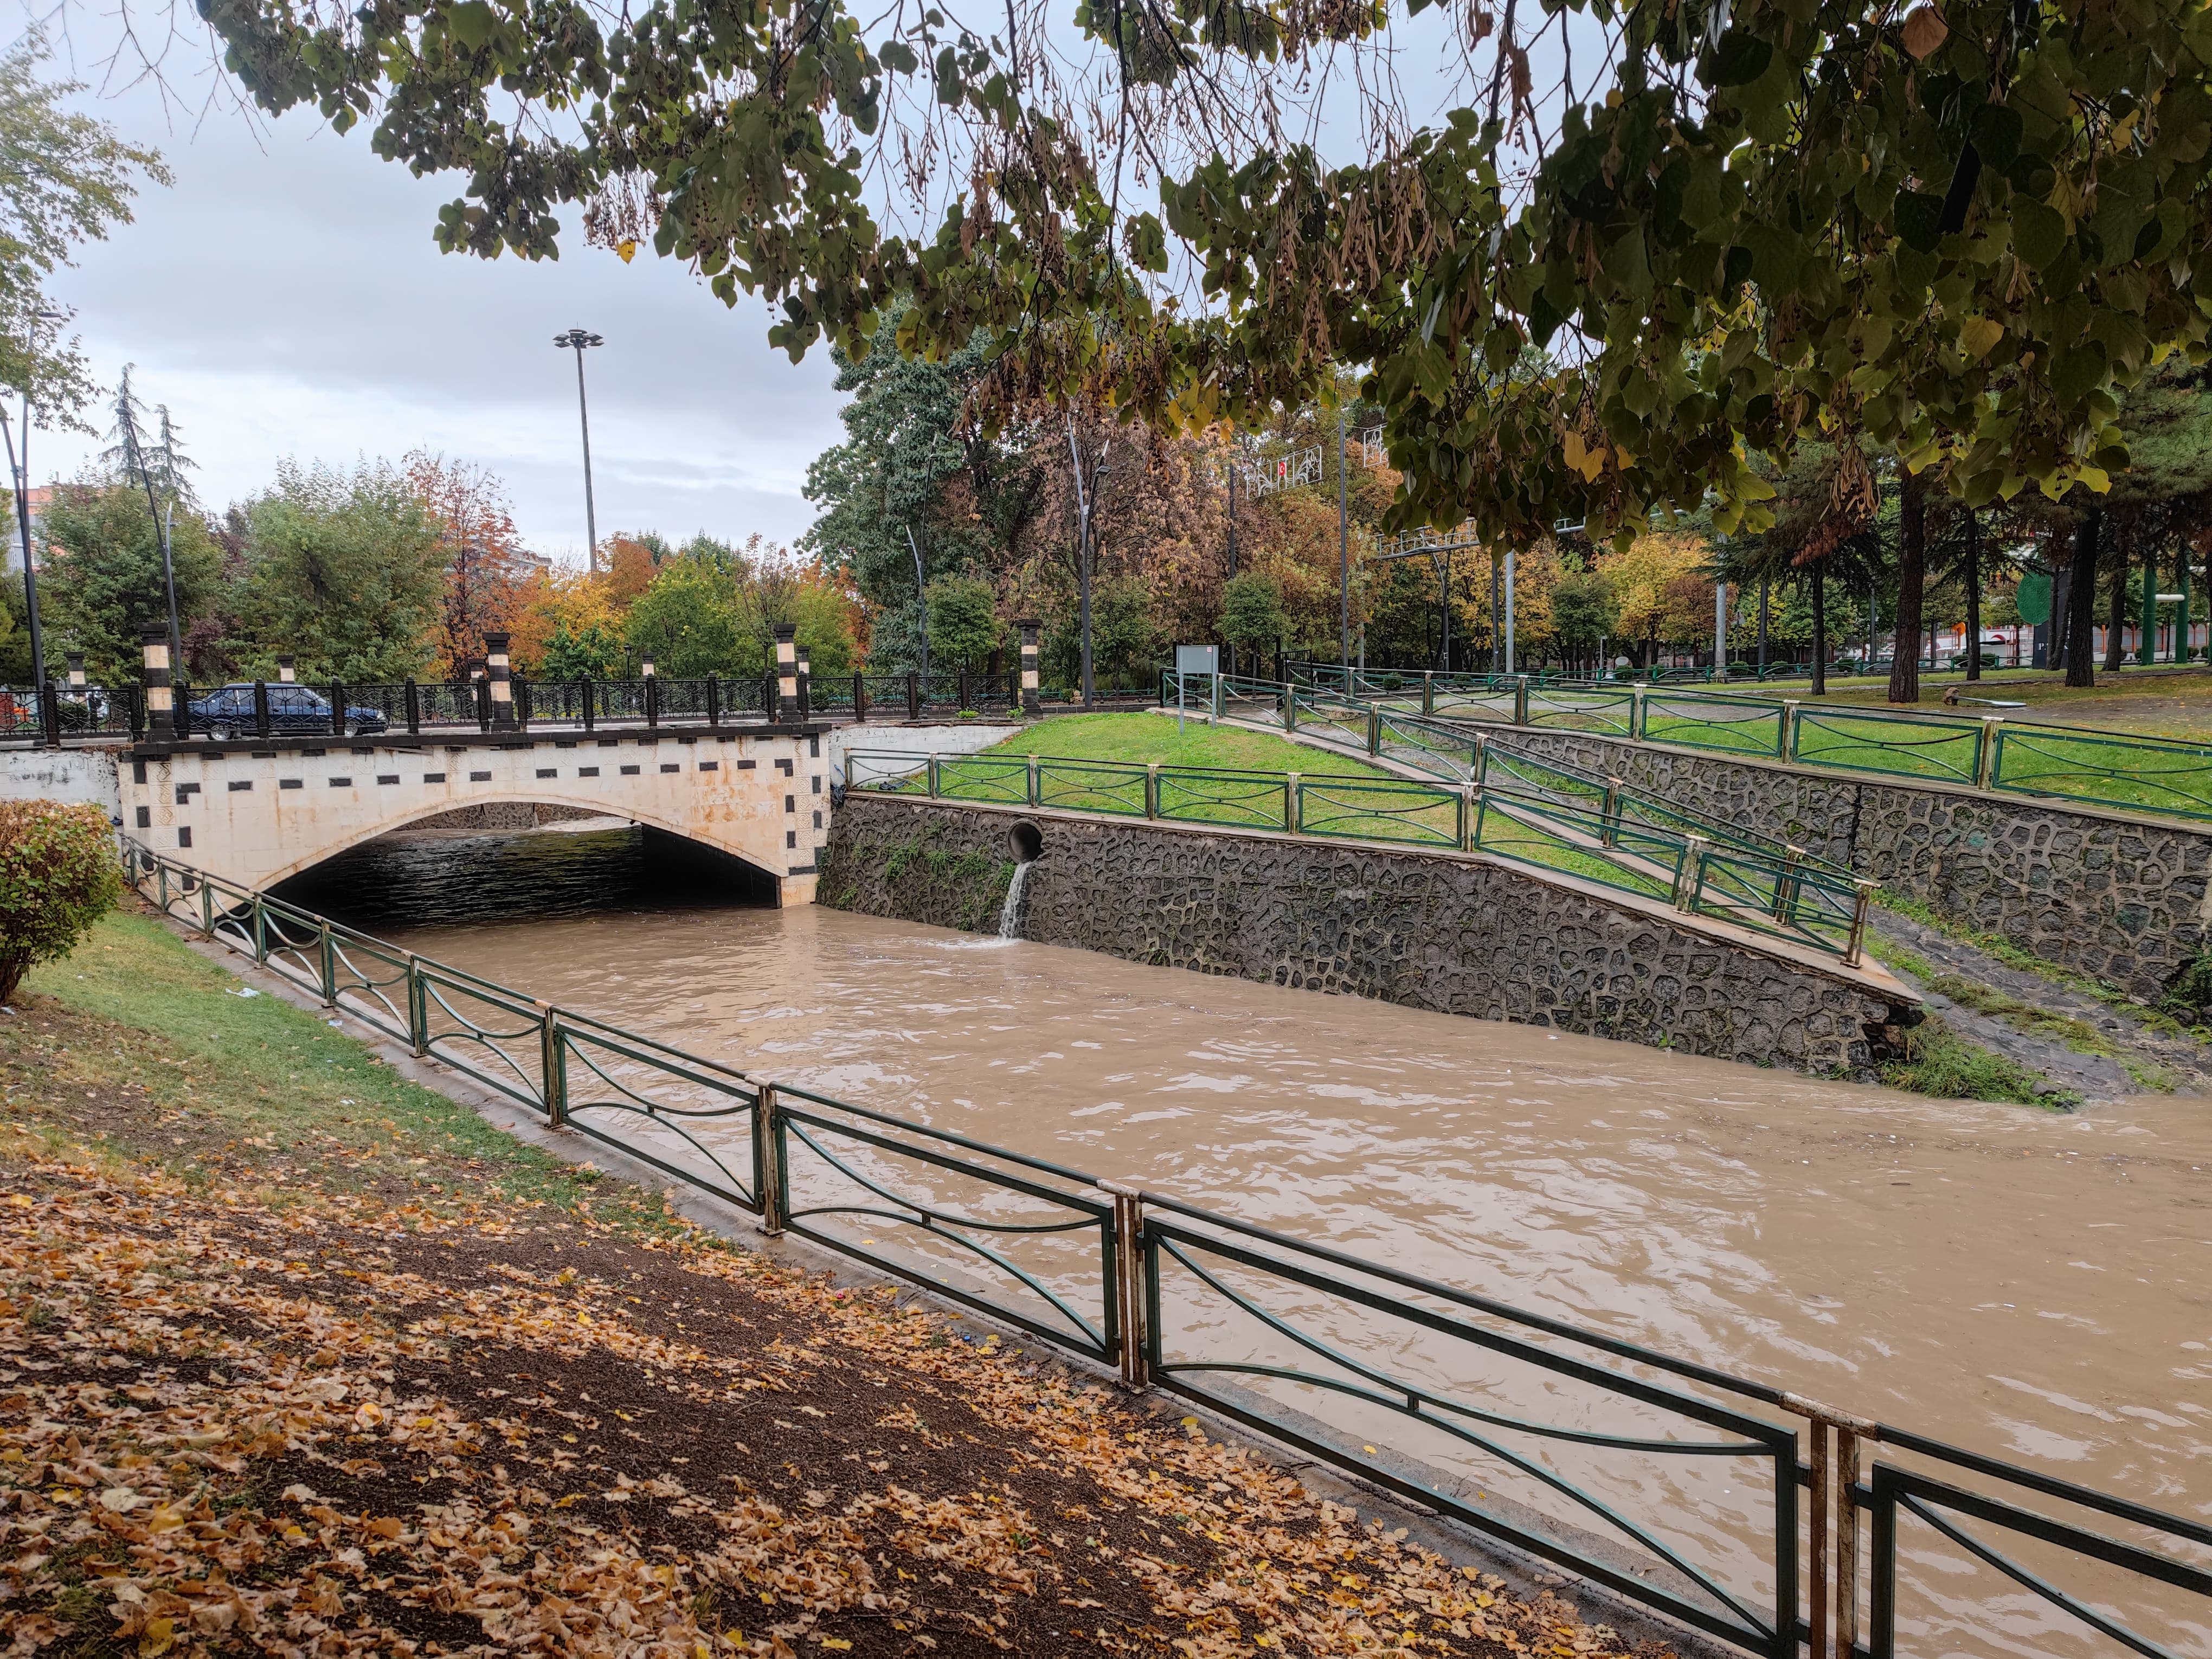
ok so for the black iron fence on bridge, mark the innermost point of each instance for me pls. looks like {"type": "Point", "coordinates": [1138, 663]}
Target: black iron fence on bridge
{"type": "Point", "coordinates": [1762, 1519]}
{"type": "Point", "coordinates": [240, 710]}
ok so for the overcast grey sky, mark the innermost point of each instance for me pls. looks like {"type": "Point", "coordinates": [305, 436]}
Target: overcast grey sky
{"type": "Point", "coordinates": [285, 299]}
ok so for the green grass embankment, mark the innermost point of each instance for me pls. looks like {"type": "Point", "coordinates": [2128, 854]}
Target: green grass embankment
{"type": "Point", "coordinates": [137, 1047]}
{"type": "Point", "coordinates": [1150, 736]}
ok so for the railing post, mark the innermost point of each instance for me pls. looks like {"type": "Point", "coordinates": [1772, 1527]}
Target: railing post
{"type": "Point", "coordinates": [913, 695]}
{"type": "Point", "coordinates": [337, 708]}
{"type": "Point", "coordinates": [1035, 798]}
{"type": "Point", "coordinates": [162, 886]}
{"type": "Point", "coordinates": [860, 699]}
{"type": "Point", "coordinates": [767, 1159]}
{"type": "Point", "coordinates": [652, 699]}
{"type": "Point", "coordinates": [1855, 953]}
{"type": "Point", "coordinates": [1785, 886]}
{"type": "Point", "coordinates": [960, 683]}
{"type": "Point", "coordinates": [933, 761]}
{"type": "Point", "coordinates": [714, 700]}
{"type": "Point", "coordinates": [1464, 817]}
{"type": "Point", "coordinates": [522, 707]}
{"type": "Point", "coordinates": [1293, 803]}
{"type": "Point", "coordinates": [326, 956]}
{"type": "Point", "coordinates": [1791, 707]}
{"type": "Point", "coordinates": [1428, 692]}
{"type": "Point", "coordinates": [260, 930]}
{"type": "Point", "coordinates": [1290, 707]}
{"type": "Point", "coordinates": [1985, 760]}
{"type": "Point", "coordinates": [552, 1066]}
{"type": "Point", "coordinates": [589, 695]}
{"type": "Point", "coordinates": [1151, 789]}
{"type": "Point", "coordinates": [1609, 825]}
{"type": "Point", "coordinates": [414, 696]}
{"type": "Point", "coordinates": [1690, 872]}
{"type": "Point", "coordinates": [1847, 1541]}
{"type": "Point", "coordinates": [49, 715]}
{"type": "Point", "coordinates": [207, 908]}
{"type": "Point", "coordinates": [1635, 712]}
{"type": "Point", "coordinates": [1128, 1287]}
{"type": "Point", "coordinates": [1374, 728]}
{"type": "Point", "coordinates": [1520, 700]}
{"type": "Point", "coordinates": [418, 1008]}
{"type": "Point", "coordinates": [1221, 699]}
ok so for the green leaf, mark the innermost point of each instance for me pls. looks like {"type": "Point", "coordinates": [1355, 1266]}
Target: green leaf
{"type": "Point", "coordinates": [898, 56]}
{"type": "Point", "coordinates": [2075, 372]}
{"type": "Point", "coordinates": [1919, 217]}
{"type": "Point", "coordinates": [2038, 232]}
{"type": "Point", "coordinates": [471, 23]}
{"type": "Point", "coordinates": [1996, 133]}
{"type": "Point", "coordinates": [1742, 58]}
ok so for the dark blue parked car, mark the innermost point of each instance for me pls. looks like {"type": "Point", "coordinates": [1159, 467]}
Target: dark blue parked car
{"type": "Point", "coordinates": [293, 710]}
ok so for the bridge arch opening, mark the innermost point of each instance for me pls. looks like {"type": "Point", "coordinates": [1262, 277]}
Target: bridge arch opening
{"type": "Point", "coordinates": [510, 860]}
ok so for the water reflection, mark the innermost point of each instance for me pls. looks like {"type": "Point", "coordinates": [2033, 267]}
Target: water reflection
{"type": "Point", "coordinates": [453, 877]}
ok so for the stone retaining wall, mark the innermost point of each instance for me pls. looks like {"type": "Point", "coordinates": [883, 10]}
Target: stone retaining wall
{"type": "Point", "coordinates": [1453, 934]}
{"type": "Point", "coordinates": [2123, 899]}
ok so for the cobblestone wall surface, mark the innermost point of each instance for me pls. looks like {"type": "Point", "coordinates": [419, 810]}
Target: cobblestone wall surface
{"type": "Point", "coordinates": [2122, 900]}
{"type": "Point", "coordinates": [1452, 935]}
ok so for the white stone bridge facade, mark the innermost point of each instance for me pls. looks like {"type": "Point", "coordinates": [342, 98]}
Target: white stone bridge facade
{"type": "Point", "coordinates": [255, 812]}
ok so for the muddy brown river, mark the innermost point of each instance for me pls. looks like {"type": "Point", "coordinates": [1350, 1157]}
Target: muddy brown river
{"type": "Point", "coordinates": [2028, 1284]}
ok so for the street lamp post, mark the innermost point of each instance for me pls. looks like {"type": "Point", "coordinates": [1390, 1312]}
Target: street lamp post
{"type": "Point", "coordinates": [577, 339]}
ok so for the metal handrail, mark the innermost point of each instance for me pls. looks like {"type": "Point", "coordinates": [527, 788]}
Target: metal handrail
{"type": "Point", "coordinates": [1149, 1246]}
{"type": "Point", "coordinates": [2090, 766]}
{"type": "Point", "coordinates": [1776, 891]}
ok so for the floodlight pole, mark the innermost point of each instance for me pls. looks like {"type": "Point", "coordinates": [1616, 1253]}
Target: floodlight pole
{"type": "Point", "coordinates": [578, 340]}
{"type": "Point", "coordinates": [1344, 550]}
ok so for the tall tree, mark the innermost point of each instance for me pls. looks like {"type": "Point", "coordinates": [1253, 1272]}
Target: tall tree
{"type": "Point", "coordinates": [65, 178]}
{"type": "Point", "coordinates": [105, 584]}
{"type": "Point", "coordinates": [345, 570]}
{"type": "Point", "coordinates": [1954, 233]}
{"type": "Point", "coordinates": [488, 571]}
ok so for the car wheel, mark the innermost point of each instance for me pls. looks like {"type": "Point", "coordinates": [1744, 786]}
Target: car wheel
{"type": "Point", "coordinates": [219, 733]}
{"type": "Point", "coordinates": [353, 728]}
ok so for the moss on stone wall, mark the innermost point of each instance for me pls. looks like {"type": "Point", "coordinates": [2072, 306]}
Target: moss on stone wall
{"type": "Point", "coordinates": [916, 876]}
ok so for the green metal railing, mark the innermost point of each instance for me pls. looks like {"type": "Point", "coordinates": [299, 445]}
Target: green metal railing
{"type": "Point", "coordinates": [1511, 806]}
{"type": "Point", "coordinates": [1721, 1501]}
{"type": "Point", "coordinates": [2165, 777]}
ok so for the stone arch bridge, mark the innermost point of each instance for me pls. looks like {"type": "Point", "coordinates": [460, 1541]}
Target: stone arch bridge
{"type": "Point", "coordinates": [256, 810]}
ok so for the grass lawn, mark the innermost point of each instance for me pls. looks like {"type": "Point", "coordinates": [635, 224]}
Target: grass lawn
{"type": "Point", "coordinates": [1146, 737]}
{"type": "Point", "coordinates": [141, 1044]}
{"type": "Point", "coordinates": [2165, 702]}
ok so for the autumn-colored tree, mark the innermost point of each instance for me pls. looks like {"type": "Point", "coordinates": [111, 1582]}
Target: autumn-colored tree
{"type": "Point", "coordinates": [574, 603]}
{"type": "Point", "coordinates": [1663, 593]}
{"type": "Point", "coordinates": [487, 572]}
{"type": "Point", "coordinates": [631, 564]}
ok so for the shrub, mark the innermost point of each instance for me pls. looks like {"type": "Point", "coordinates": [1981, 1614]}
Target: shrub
{"type": "Point", "coordinates": [58, 875]}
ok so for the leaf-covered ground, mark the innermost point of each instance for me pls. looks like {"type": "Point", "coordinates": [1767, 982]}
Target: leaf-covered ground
{"type": "Point", "coordinates": [284, 1409]}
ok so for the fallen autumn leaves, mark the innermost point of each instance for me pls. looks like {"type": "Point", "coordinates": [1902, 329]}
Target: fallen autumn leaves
{"type": "Point", "coordinates": [342, 1427]}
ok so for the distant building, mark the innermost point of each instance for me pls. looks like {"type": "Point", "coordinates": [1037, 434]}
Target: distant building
{"type": "Point", "coordinates": [40, 498]}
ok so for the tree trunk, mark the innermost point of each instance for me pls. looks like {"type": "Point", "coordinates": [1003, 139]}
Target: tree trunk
{"type": "Point", "coordinates": [1820, 634]}
{"type": "Point", "coordinates": [2081, 600]}
{"type": "Point", "coordinates": [2115, 653]}
{"type": "Point", "coordinates": [1911, 582]}
{"type": "Point", "coordinates": [1973, 574]}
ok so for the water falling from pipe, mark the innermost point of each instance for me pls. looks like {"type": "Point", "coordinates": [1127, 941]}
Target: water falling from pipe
{"type": "Point", "coordinates": [1010, 913]}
